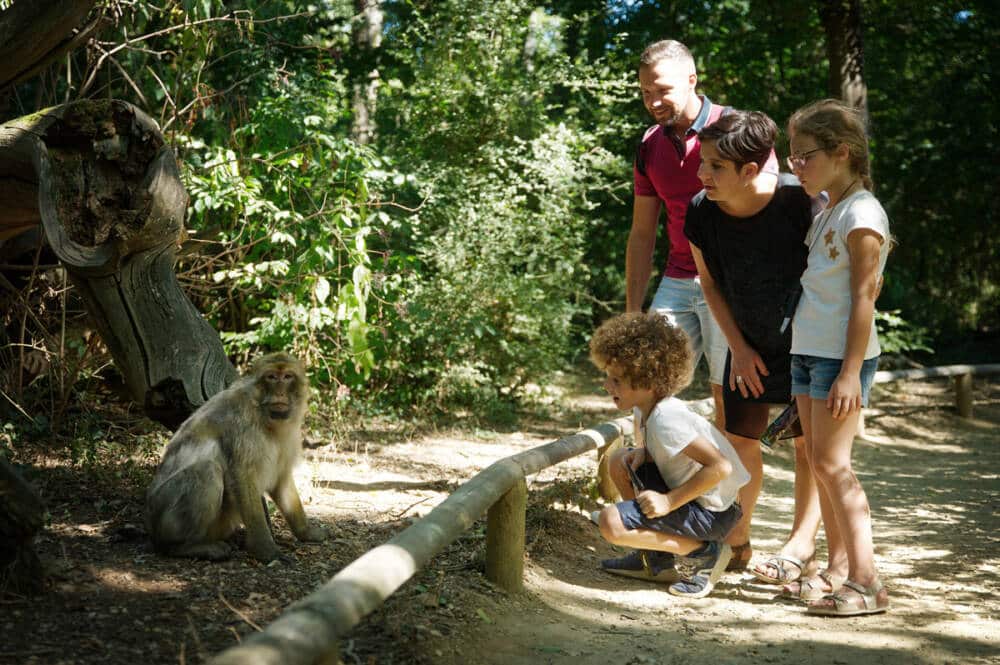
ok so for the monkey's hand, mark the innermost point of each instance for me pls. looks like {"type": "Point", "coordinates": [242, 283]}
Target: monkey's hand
{"type": "Point", "coordinates": [313, 534]}
{"type": "Point", "coordinates": [266, 553]}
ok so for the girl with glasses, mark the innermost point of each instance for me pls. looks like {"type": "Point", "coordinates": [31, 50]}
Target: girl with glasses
{"type": "Point", "coordinates": [835, 346]}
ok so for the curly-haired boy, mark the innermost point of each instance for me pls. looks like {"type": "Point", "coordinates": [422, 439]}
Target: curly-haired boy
{"type": "Point", "coordinates": [681, 483]}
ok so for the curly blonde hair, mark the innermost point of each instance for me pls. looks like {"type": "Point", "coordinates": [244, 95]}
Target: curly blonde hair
{"type": "Point", "coordinates": [649, 351]}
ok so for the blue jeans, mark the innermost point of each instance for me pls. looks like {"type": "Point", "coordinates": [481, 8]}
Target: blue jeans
{"type": "Point", "coordinates": [814, 376]}
{"type": "Point", "coordinates": [683, 303]}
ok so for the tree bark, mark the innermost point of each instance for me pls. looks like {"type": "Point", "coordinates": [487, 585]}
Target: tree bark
{"type": "Point", "coordinates": [367, 39]}
{"type": "Point", "coordinates": [845, 51]}
{"type": "Point", "coordinates": [34, 33]}
{"type": "Point", "coordinates": [110, 199]}
{"type": "Point", "coordinates": [21, 516]}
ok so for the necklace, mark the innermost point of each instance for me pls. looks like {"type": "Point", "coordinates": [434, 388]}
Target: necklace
{"type": "Point", "coordinates": [828, 213]}
{"type": "Point", "coordinates": [846, 189]}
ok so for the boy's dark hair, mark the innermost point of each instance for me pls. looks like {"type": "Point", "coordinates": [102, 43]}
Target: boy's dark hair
{"type": "Point", "coordinates": [743, 137]}
{"type": "Point", "coordinates": [648, 351]}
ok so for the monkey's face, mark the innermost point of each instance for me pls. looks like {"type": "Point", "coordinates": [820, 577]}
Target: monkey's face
{"type": "Point", "coordinates": [281, 387]}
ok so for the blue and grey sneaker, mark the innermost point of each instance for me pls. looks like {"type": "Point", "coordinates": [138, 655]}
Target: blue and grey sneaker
{"type": "Point", "coordinates": [710, 563]}
{"type": "Point", "coordinates": [650, 565]}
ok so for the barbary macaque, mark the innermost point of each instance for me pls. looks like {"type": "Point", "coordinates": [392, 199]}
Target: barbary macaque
{"type": "Point", "coordinates": [239, 445]}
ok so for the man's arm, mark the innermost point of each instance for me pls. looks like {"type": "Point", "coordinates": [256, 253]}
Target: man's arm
{"type": "Point", "coordinates": [639, 252]}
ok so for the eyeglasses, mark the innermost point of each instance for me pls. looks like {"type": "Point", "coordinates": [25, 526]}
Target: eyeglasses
{"type": "Point", "coordinates": [800, 160]}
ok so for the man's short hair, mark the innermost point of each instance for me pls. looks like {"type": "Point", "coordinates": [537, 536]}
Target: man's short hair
{"type": "Point", "coordinates": [665, 49]}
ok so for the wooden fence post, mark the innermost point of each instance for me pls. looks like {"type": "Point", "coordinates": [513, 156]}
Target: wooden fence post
{"type": "Point", "coordinates": [505, 538]}
{"type": "Point", "coordinates": [605, 486]}
{"type": "Point", "coordinates": [963, 395]}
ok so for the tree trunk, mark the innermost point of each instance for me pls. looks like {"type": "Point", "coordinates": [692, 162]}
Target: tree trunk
{"type": "Point", "coordinates": [109, 196]}
{"type": "Point", "coordinates": [367, 39]}
{"type": "Point", "coordinates": [34, 33]}
{"type": "Point", "coordinates": [845, 51]}
{"type": "Point", "coordinates": [21, 517]}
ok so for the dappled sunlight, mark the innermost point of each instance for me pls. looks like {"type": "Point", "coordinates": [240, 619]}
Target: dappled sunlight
{"type": "Point", "coordinates": [777, 473]}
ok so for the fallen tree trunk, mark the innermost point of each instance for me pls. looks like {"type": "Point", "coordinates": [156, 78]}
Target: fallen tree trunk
{"type": "Point", "coordinates": [108, 193]}
{"type": "Point", "coordinates": [21, 517]}
{"type": "Point", "coordinates": [34, 34]}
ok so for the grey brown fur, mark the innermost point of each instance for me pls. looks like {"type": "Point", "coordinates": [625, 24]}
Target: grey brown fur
{"type": "Point", "coordinates": [240, 445]}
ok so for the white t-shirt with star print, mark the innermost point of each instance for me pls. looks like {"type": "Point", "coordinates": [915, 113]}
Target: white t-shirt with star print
{"type": "Point", "coordinates": [819, 327]}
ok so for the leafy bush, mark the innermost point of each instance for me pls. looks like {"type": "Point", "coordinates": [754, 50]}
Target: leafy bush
{"type": "Point", "coordinates": [498, 276]}
{"type": "Point", "coordinates": [896, 335]}
{"type": "Point", "coordinates": [292, 204]}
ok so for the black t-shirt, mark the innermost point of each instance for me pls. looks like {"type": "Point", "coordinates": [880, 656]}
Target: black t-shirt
{"type": "Point", "coordinates": [756, 261]}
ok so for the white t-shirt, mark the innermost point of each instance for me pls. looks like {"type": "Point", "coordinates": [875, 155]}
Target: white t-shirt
{"type": "Point", "coordinates": [819, 327]}
{"type": "Point", "coordinates": [669, 429]}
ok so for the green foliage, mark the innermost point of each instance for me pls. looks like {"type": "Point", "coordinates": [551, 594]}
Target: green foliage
{"type": "Point", "coordinates": [468, 249]}
{"type": "Point", "coordinates": [295, 200]}
{"type": "Point", "coordinates": [896, 335]}
{"type": "Point", "coordinates": [499, 278]}
{"type": "Point", "coordinates": [936, 131]}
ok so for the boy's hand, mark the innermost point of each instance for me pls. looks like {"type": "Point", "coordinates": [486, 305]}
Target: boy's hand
{"type": "Point", "coordinates": [653, 504]}
{"type": "Point", "coordinates": [634, 458]}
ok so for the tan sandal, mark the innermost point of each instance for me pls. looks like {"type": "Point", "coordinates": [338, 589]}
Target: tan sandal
{"type": "Point", "coordinates": [811, 588]}
{"type": "Point", "coordinates": [852, 600]}
{"type": "Point", "coordinates": [789, 569]}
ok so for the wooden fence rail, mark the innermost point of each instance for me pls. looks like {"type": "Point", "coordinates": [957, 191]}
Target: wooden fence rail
{"type": "Point", "coordinates": [308, 631]}
{"type": "Point", "coordinates": [963, 380]}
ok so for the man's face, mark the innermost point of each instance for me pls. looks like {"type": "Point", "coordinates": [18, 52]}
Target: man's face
{"type": "Point", "coordinates": [666, 88]}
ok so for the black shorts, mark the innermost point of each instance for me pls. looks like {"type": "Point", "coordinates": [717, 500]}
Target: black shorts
{"type": "Point", "coordinates": [748, 416]}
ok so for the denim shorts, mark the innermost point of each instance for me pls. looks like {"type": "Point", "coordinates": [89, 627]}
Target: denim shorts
{"type": "Point", "coordinates": [683, 303]}
{"type": "Point", "coordinates": [691, 520]}
{"type": "Point", "coordinates": [814, 376]}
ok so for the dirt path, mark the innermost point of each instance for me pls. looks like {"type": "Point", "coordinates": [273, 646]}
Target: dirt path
{"type": "Point", "coordinates": [931, 477]}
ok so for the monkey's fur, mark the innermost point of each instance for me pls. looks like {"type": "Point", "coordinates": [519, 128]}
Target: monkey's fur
{"type": "Point", "coordinates": [239, 445]}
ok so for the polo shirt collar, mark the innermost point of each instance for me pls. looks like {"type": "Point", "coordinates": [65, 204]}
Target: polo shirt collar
{"type": "Point", "coordinates": [702, 119]}
{"type": "Point", "coordinates": [698, 124]}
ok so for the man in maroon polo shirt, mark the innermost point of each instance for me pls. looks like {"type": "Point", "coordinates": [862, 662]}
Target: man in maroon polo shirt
{"type": "Point", "coordinates": [666, 174]}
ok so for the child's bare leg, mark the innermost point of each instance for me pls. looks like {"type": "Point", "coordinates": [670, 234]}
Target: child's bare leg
{"type": "Point", "coordinates": [801, 543]}
{"type": "Point", "coordinates": [615, 533]}
{"type": "Point", "coordinates": [833, 441]}
{"type": "Point", "coordinates": [802, 540]}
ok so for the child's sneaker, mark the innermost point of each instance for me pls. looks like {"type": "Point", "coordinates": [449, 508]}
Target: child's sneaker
{"type": "Point", "coordinates": [650, 565]}
{"type": "Point", "coordinates": [713, 558]}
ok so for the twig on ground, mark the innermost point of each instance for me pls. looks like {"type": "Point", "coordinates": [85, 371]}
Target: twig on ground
{"type": "Point", "coordinates": [412, 505]}
{"type": "Point", "coordinates": [250, 622]}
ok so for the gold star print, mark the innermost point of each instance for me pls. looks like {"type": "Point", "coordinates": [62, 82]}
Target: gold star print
{"type": "Point", "coordinates": [834, 253]}
{"type": "Point", "coordinates": [828, 238]}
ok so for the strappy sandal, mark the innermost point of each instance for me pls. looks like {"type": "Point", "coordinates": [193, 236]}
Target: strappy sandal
{"type": "Point", "coordinates": [741, 557]}
{"type": "Point", "coordinates": [789, 569]}
{"type": "Point", "coordinates": [810, 588]}
{"type": "Point", "coordinates": [852, 600]}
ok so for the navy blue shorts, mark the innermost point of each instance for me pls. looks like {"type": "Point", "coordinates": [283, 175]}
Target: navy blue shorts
{"type": "Point", "coordinates": [690, 520]}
